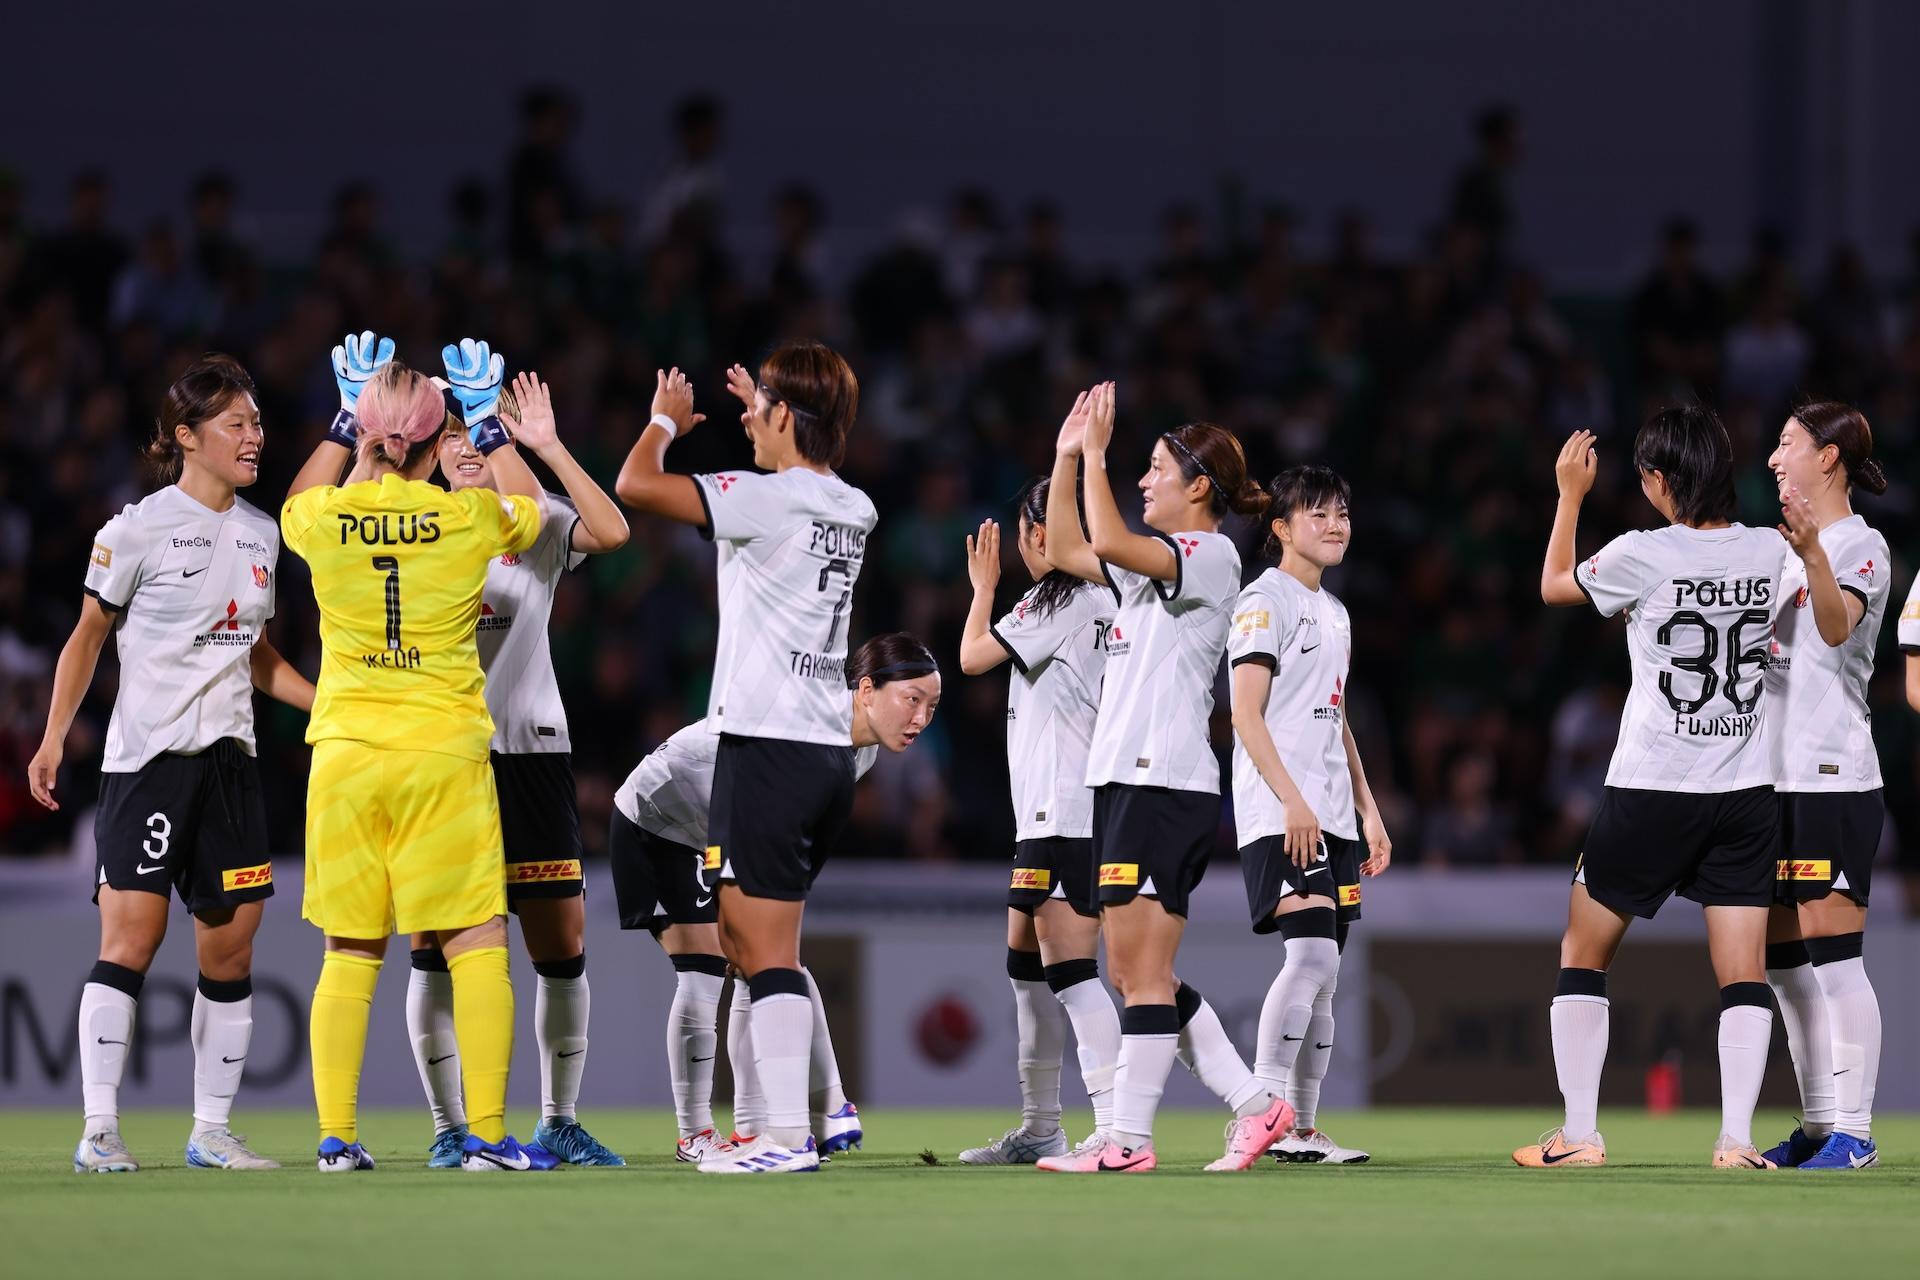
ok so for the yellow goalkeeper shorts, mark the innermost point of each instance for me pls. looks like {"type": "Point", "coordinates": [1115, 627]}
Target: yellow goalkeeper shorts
{"type": "Point", "coordinates": [400, 841]}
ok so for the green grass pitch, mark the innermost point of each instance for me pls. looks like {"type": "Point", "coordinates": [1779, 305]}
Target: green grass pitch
{"type": "Point", "coordinates": [1439, 1199]}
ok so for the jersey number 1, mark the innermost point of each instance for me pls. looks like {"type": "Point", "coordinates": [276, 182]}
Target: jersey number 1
{"type": "Point", "coordinates": [845, 570]}
{"type": "Point", "coordinates": [390, 565]}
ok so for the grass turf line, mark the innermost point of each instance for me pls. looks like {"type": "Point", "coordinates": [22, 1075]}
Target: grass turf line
{"type": "Point", "coordinates": [1439, 1199]}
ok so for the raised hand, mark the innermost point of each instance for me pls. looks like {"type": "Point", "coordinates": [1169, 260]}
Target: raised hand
{"type": "Point", "coordinates": [476, 375]}
{"type": "Point", "coordinates": [983, 557]}
{"type": "Point", "coordinates": [673, 397]}
{"type": "Point", "coordinates": [1073, 431]}
{"type": "Point", "coordinates": [358, 357]}
{"type": "Point", "coordinates": [1099, 433]}
{"type": "Point", "coordinates": [535, 428]}
{"type": "Point", "coordinates": [1576, 466]}
{"type": "Point", "coordinates": [1798, 526]}
{"type": "Point", "coordinates": [741, 383]}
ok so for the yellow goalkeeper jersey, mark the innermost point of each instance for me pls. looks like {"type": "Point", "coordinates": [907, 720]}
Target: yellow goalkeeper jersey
{"type": "Point", "coordinates": [398, 567]}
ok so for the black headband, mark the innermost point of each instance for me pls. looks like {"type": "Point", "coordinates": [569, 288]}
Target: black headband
{"type": "Point", "coordinates": [911, 667]}
{"type": "Point", "coordinates": [1190, 457]}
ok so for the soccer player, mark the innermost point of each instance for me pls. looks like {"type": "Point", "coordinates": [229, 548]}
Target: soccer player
{"type": "Point", "coordinates": [183, 580]}
{"type": "Point", "coordinates": [533, 774]}
{"type": "Point", "coordinates": [791, 546]}
{"type": "Point", "coordinates": [1056, 638]}
{"type": "Point", "coordinates": [403, 826]}
{"type": "Point", "coordinates": [1827, 622]}
{"type": "Point", "coordinates": [1157, 800]}
{"type": "Point", "coordinates": [1689, 804]}
{"type": "Point", "coordinates": [659, 839]}
{"type": "Point", "coordinates": [1300, 796]}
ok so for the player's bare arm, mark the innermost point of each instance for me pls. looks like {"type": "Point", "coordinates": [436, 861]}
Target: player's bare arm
{"type": "Point", "coordinates": [1373, 829]}
{"type": "Point", "coordinates": [979, 651]}
{"type": "Point", "coordinates": [602, 527]}
{"type": "Point", "coordinates": [1574, 472]}
{"type": "Point", "coordinates": [1835, 612]}
{"type": "Point", "coordinates": [71, 676]}
{"type": "Point", "coordinates": [1252, 683]}
{"type": "Point", "coordinates": [644, 482]}
{"type": "Point", "coordinates": [1111, 540]}
{"type": "Point", "coordinates": [279, 679]}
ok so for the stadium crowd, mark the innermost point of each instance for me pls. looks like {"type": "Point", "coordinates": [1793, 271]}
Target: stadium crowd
{"type": "Point", "coordinates": [1441, 382]}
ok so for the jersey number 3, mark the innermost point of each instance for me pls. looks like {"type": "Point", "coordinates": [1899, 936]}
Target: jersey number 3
{"type": "Point", "coordinates": [390, 565]}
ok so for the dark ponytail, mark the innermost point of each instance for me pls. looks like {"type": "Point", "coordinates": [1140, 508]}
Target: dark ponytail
{"type": "Point", "coordinates": [1201, 449]}
{"type": "Point", "coordinates": [886, 658]}
{"type": "Point", "coordinates": [1054, 590]}
{"type": "Point", "coordinates": [202, 393]}
{"type": "Point", "coordinates": [1829, 422]}
{"type": "Point", "coordinates": [1302, 488]}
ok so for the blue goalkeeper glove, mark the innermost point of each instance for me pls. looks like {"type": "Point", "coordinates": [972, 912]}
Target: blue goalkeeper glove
{"type": "Point", "coordinates": [475, 375]}
{"type": "Point", "coordinates": [355, 361]}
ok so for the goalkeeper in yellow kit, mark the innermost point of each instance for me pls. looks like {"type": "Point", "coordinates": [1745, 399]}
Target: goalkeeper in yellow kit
{"type": "Point", "coordinates": [403, 827]}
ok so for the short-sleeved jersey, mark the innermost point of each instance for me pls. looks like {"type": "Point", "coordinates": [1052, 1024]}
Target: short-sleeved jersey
{"type": "Point", "coordinates": [1304, 637]}
{"type": "Point", "coordinates": [1822, 738]}
{"type": "Point", "coordinates": [522, 695]}
{"type": "Point", "coordinates": [669, 793]}
{"type": "Point", "coordinates": [1163, 654]}
{"type": "Point", "coordinates": [398, 569]}
{"type": "Point", "coordinates": [1052, 699]}
{"type": "Point", "coordinates": [192, 589]}
{"type": "Point", "coordinates": [791, 547]}
{"type": "Point", "coordinates": [1699, 608]}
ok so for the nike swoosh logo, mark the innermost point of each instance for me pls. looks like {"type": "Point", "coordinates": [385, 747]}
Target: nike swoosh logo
{"type": "Point", "coordinates": [701, 902]}
{"type": "Point", "coordinates": [708, 1058]}
{"type": "Point", "coordinates": [104, 1040]}
{"type": "Point", "coordinates": [1840, 1071]}
{"type": "Point", "coordinates": [1858, 1163]}
{"type": "Point", "coordinates": [231, 1061]}
{"type": "Point", "coordinates": [145, 870]}
{"type": "Point", "coordinates": [1318, 1045]}
{"type": "Point", "coordinates": [1548, 1158]}
{"type": "Point", "coordinates": [1287, 1037]}
{"type": "Point", "coordinates": [188, 573]}
{"type": "Point", "coordinates": [522, 1163]}
{"type": "Point", "coordinates": [1120, 1168]}
{"type": "Point", "coordinates": [576, 1053]}
{"type": "Point", "coordinates": [434, 1062]}
{"type": "Point", "coordinates": [1306, 649]}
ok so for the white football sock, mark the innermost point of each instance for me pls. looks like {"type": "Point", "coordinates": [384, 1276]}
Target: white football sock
{"type": "Point", "coordinates": [1146, 1057]}
{"type": "Point", "coordinates": [106, 1029]}
{"type": "Point", "coordinates": [1853, 1016]}
{"type": "Point", "coordinates": [1042, 1026]}
{"type": "Point", "coordinates": [782, 1049]}
{"type": "Point", "coordinates": [1205, 1049]}
{"type": "Point", "coordinates": [435, 1050]}
{"type": "Point", "coordinates": [1311, 963]}
{"type": "Point", "coordinates": [1096, 1034]}
{"type": "Point", "coordinates": [1803, 1010]}
{"type": "Point", "coordinates": [560, 1010]}
{"type": "Point", "coordinates": [1580, 1026]}
{"type": "Point", "coordinates": [221, 1031]}
{"type": "Point", "coordinates": [1746, 1030]}
{"type": "Point", "coordinates": [824, 1091]}
{"type": "Point", "coordinates": [1316, 1051]}
{"type": "Point", "coordinates": [692, 1040]}
{"type": "Point", "coordinates": [749, 1104]}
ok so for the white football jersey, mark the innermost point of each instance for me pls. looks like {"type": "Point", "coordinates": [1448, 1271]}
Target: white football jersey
{"type": "Point", "coordinates": [670, 792]}
{"type": "Point", "coordinates": [1306, 640]}
{"type": "Point", "coordinates": [791, 547]}
{"type": "Point", "coordinates": [1699, 608]}
{"type": "Point", "coordinates": [193, 589]}
{"type": "Point", "coordinates": [1907, 630]}
{"type": "Point", "coordinates": [522, 695]}
{"type": "Point", "coordinates": [1052, 699]}
{"type": "Point", "coordinates": [1823, 733]}
{"type": "Point", "coordinates": [1163, 653]}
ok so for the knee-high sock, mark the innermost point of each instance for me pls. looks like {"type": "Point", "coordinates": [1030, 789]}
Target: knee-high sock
{"type": "Point", "coordinates": [1310, 1068]}
{"type": "Point", "coordinates": [1096, 1030]}
{"type": "Point", "coordinates": [1853, 1017]}
{"type": "Point", "coordinates": [106, 1030]}
{"type": "Point", "coordinates": [1149, 1039]}
{"type": "Point", "coordinates": [1580, 1024]}
{"type": "Point", "coordinates": [483, 1019]}
{"type": "Point", "coordinates": [1746, 1030]}
{"type": "Point", "coordinates": [1042, 1028]}
{"type": "Point", "coordinates": [561, 1004]}
{"type": "Point", "coordinates": [782, 1049]}
{"type": "Point", "coordinates": [1312, 961]}
{"type": "Point", "coordinates": [337, 1026]}
{"type": "Point", "coordinates": [1205, 1049]}
{"type": "Point", "coordinates": [1803, 1011]}
{"type": "Point", "coordinates": [692, 1039]}
{"type": "Point", "coordinates": [222, 1030]}
{"type": "Point", "coordinates": [824, 1091]}
{"type": "Point", "coordinates": [749, 1103]}
{"type": "Point", "coordinates": [436, 1051]}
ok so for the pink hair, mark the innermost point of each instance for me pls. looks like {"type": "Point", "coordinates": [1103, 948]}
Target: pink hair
{"type": "Point", "coordinates": [402, 403]}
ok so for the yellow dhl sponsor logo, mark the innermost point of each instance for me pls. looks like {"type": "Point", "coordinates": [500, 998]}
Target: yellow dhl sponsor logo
{"type": "Point", "coordinates": [1252, 620]}
{"type": "Point", "coordinates": [1032, 878]}
{"type": "Point", "coordinates": [1909, 614]}
{"type": "Point", "coordinates": [1805, 869]}
{"type": "Point", "coordinates": [535, 872]}
{"type": "Point", "coordinates": [1119, 873]}
{"type": "Point", "coordinates": [712, 860]}
{"type": "Point", "coordinates": [103, 555]}
{"type": "Point", "coordinates": [1349, 895]}
{"type": "Point", "coordinates": [246, 877]}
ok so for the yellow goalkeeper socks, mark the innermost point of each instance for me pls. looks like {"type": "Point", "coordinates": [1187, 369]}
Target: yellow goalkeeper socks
{"type": "Point", "coordinates": [342, 1002]}
{"type": "Point", "coordinates": [483, 1024]}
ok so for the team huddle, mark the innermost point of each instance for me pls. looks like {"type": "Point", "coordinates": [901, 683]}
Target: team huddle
{"type": "Point", "coordinates": [441, 795]}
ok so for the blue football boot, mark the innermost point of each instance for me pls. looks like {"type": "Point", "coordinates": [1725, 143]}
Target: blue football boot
{"type": "Point", "coordinates": [1844, 1151]}
{"type": "Point", "coordinates": [448, 1145]}
{"type": "Point", "coordinates": [1795, 1151]}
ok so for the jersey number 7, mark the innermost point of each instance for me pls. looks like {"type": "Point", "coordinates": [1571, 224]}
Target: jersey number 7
{"type": "Point", "coordinates": [390, 565]}
{"type": "Point", "coordinates": [827, 570]}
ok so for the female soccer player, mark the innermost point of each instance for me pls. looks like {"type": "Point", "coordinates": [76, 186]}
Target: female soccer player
{"type": "Point", "coordinates": [792, 543]}
{"type": "Point", "coordinates": [1056, 637]}
{"type": "Point", "coordinates": [533, 773]}
{"type": "Point", "coordinates": [658, 840]}
{"type": "Point", "coordinates": [184, 581]}
{"type": "Point", "coordinates": [403, 827]}
{"type": "Point", "coordinates": [1689, 805]}
{"type": "Point", "coordinates": [1300, 795]}
{"type": "Point", "coordinates": [1832, 601]}
{"type": "Point", "coordinates": [1157, 799]}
